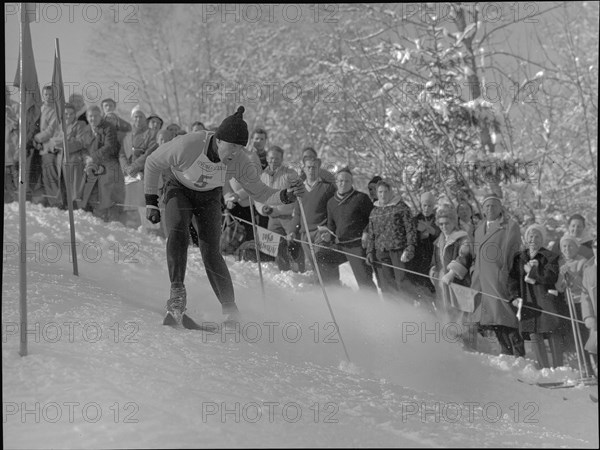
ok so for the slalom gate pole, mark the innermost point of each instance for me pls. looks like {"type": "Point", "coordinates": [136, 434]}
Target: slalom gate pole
{"type": "Point", "coordinates": [66, 169]}
{"type": "Point", "coordinates": [257, 248]}
{"type": "Point", "coordinates": [574, 326]}
{"type": "Point", "coordinates": [23, 180]}
{"type": "Point", "coordinates": [314, 257]}
{"type": "Point", "coordinates": [579, 343]}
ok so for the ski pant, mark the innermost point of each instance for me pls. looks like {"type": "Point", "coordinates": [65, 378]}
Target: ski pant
{"type": "Point", "coordinates": [181, 204]}
{"type": "Point", "coordinates": [510, 340]}
{"type": "Point", "coordinates": [392, 280]}
{"type": "Point", "coordinates": [329, 261]}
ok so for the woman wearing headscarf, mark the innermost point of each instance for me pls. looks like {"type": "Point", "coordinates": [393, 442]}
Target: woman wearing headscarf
{"type": "Point", "coordinates": [531, 283]}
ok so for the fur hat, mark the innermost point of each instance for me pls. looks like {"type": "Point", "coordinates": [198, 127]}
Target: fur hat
{"type": "Point", "coordinates": [568, 238]}
{"type": "Point", "coordinates": [234, 129]}
{"type": "Point", "coordinates": [536, 227]}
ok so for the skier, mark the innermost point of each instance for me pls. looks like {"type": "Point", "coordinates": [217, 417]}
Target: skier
{"type": "Point", "coordinates": [200, 164]}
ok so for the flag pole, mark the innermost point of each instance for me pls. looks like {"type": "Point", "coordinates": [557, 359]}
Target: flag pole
{"type": "Point", "coordinates": [66, 168]}
{"type": "Point", "coordinates": [22, 195]}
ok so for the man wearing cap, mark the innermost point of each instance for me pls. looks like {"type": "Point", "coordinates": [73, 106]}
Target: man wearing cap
{"type": "Point", "coordinates": [200, 164]}
{"type": "Point", "coordinates": [497, 239]}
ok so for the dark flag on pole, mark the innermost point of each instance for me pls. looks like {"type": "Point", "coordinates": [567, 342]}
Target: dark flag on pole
{"type": "Point", "coordinates": [33, 98]}
{"type": "Point", "coordinates": [58, 90]}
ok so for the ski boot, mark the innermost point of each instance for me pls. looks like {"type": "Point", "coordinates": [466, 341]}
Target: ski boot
{"type": "Point", "coordinates": [176, 306]}
{"type": "Point", "coordinates": [233, 315]}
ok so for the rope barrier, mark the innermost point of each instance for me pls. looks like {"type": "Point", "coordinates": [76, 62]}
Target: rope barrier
{"type": "Point", "coordinates": [427, 276]}
{"type": "Point", "coordinates": [380, 263]}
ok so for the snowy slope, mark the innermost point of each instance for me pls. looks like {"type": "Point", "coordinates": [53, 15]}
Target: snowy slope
{"type": "Point", "coordinates": [103, 372]}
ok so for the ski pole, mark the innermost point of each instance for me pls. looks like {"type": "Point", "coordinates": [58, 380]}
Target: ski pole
{"type": "Point", "coordinates": [256, 247]}
{"type": "Point", "coordinates": [579, 347]}
{"type": "Point", "coordinates": [314, 257]}
{"type": "Point", "coordinates": [573, 326]}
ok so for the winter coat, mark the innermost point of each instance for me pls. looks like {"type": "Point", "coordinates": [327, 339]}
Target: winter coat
{"type": "Point", "coordinates": [544, 275]}
{"type": "Point", "coordinates": [48, 123]}
{"type": "Point", "coordinates": [494, 249]}
{"type": "Point", "coordinates": [589, 296]}
{"type": "Point", "coordinates": [11, 137]}
{"type": "Point", "coordinates": [452, 253]}
{"type": "Point", "coordinates": [347, 217]}
{"type": "Point", "coordinates": [314, 202]}
{"type": "Point", "coordinates": [104, 146]}
{"type": "Point", "coordinates": [122, 127]}
{"type": "Point", "coordinates": [425, 245]}
{"type": "Point", "coordinates": [391, 227]}
{"type": "Point", "coordinates": [104, 150]}
{"type": "Point", "coordinates": [79, 136]}
{"type": "Point", "coordinates": [137, 146]}
{"type": "Point", "coordinates": [574, 268]}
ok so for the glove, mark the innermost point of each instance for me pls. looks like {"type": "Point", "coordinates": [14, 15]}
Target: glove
{"type": "Point", "coordinates": [408, 254]}
{"type": "Point", "coordinates": [448, 278]}
{"type": "Point", "coordinates": [131, 170]}
{"type": "Point", "coordinates": [267, 210]}
{"type": "Point", "coordinates": [290, 237]}
{"type": "Point", "coordinates": [152, 210]}
{"type": "Point", "coordinates": [364, 240]}
{"type": "Point", "coordinates": [326, 236]}
{"type": "Point", "coordinates": [370, 259]}
{"type": "Point", "coordinates": [590, 323]}
{"type": "Point", "coordinates": [91, 170]}
{"type": "Point", "coordinates": [297, 188]}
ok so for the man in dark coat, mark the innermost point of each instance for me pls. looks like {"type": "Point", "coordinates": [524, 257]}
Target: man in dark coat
{"type": "Point", "coordinates": [104, 191]}
{"type": "Point", "coordinates": [497, 240]}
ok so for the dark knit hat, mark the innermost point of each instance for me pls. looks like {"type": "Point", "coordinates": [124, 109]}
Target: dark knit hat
{"type": "Point", "coordinates": [376, 179]}
{"type": "Point", "coordinates": [234, 129]}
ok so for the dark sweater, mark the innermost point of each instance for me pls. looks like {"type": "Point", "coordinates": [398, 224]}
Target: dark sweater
{"type": "Point", "coordinates": [348, 217]}
{"type": "Point", "coordinates": [315, 206]}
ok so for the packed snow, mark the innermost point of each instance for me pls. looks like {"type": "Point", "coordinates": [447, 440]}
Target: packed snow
{"type": "Point", "coordinates": [103, 372]}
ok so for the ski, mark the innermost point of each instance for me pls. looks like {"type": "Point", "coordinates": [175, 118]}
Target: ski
{"type": "Point", "coordinates": [189, 324]}
{"type": "Point", "coordinates": [561, 384]}
{"type": "Point", "coordinates": [549, 384]}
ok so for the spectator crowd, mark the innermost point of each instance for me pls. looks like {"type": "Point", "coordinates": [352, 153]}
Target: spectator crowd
{"type": "Point", "coordinates": [488, 272]}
